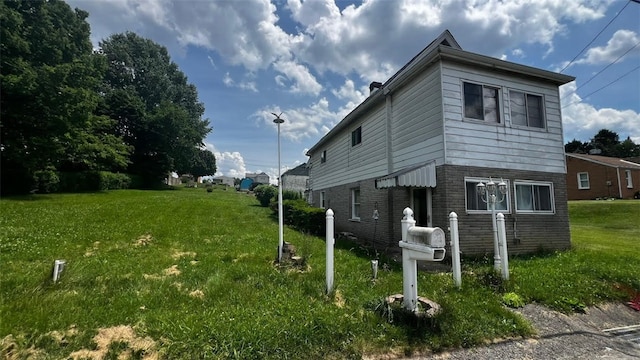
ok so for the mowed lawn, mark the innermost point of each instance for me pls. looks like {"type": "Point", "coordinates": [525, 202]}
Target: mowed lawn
{"type": "Point", "coordinates": [190, 274]}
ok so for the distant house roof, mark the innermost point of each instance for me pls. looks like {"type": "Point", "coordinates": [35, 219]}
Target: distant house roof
{"type": "Point", "coordinates": [300, 170]}
{"type": "Point", "coordinates": [607, 161]}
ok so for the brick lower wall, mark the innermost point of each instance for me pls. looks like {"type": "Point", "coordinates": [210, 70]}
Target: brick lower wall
{"type": "Point", "coordinates": [526, 233]}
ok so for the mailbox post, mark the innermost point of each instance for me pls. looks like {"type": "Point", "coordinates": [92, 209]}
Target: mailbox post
{"type": "Point", "coordinates": [418, 243]}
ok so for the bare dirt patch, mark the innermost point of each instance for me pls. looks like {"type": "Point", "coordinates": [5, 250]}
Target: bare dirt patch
{"type": "Point", "coordinates": [143, 240]}
{"type": "Point", "coordinates": [197, 294]}
{"type": "Point", "coordinates": [172, 271]}
{"type": "Point", "coordinates": [143, 347]}
{"type": "Point", "coordinates": [180, 254]}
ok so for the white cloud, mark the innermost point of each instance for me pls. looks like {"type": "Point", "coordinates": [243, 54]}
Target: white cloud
{"type": "Point", "coordinates": [620, 42]}
{"type": "Point", "coordinates": [228, 163]}
{"type": "Point", "coordinates": [303, 80]}
{"type": "Point", "coordinates": [582, 120]}
{"type": "Point", "coordinates": [245, 85]}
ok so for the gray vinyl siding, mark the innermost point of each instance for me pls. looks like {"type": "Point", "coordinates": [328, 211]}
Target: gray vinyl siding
{"type": "Point", "coordinates": [346, 163]}
{"type": "Point", "coordinates": [417, 132]}
{"type": "Point", "coordinates": [506, 146]}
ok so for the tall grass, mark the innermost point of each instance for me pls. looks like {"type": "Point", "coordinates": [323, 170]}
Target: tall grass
{"type": "Point", "coordinates": [193, 273]}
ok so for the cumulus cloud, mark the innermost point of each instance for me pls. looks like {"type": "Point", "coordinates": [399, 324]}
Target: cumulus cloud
{"type": "Point", "coordinates": [619, 44]}
{"type": "Point", "coordinates": [582, 120]}
{"type": "Point", "coordinates": [228, 163]}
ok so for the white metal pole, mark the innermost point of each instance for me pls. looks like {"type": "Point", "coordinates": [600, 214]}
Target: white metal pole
{"type": "Point", "coordinates": [496, 249]}
{"type": "Point", "coordinates": [330, 243]}
{"type": "Point", "coordinates": [502, 234]}
{"type": "Point", "coordinates": [455, 249]}
{"type": "Point", "coordinates": [280, 215]}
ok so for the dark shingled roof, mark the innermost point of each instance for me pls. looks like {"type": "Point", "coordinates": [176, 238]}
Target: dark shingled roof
{"type": "Point", "coordinates": [300, 170]}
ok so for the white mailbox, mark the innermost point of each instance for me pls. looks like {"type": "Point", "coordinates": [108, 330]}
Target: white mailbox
{"type": "Point", "coordinates": [418, 243]}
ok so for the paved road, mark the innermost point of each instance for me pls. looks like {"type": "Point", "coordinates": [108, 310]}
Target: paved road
{"type": "Point", "coordinates": [579, 336]}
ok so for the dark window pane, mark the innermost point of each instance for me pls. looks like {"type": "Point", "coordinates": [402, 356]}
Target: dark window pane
{"type": "Point", "coordinates": [473, 101]}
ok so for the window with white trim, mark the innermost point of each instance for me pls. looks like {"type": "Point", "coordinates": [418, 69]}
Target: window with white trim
{"type": "Point", "coordinates": [323, 156]}
{"type": "Point", "coordinates": [322, 199]}
{"type": "Point", "coordinates": [583, 180]}
{"type": "Point", "coordinates": [355, 204]}
{"type": "Point", "coordinates": [474, 201]}
{"type": "Point", "coordinates": [481, 102]}
{"type": "Point", "coordinates": [356, 136]}
{"type": "Point", "coordinates": [534, 197]}
{"type": "Point", "coordinates": [627, 177]}
{"type": "Point", "coordinates": [526, 109]}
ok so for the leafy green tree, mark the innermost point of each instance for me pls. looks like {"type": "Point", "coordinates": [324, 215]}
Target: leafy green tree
{"type": "Point", "coordinates": [156, 110]}
{"type": "Point", "coordinates": [49, 78]}
{"type": "Point", "coordinates": [608, 143]}
{"type": "Point", "coordinates": [203, 163]}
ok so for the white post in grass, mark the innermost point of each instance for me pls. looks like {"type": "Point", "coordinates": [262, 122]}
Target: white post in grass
{"type": "Point", "coordinates": [330, 243]}
{"type": "Point", "coordinates": [492, 194]}
{"type": "Point", "coordinates": [279, 121]}
{"type": "Point", "coordinates": [502, 235]}
{"type": "Point", "coordinates": [455, 248]}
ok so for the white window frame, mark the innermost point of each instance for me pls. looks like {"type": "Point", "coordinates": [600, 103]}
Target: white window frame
{"type": "Point", "coordinates": [551, 199]}
{"type": "Point", "coordinates": [628, 178]}
{"type": "Point", "coordinates": [498, 108]}
{"type": "Point", "coordinates": [503, 207]}
{"type": "Point", "coordinates": [580, 186]}
{"type": "Point", "coordinates": [323, 157]}
{"type": "Point", "coordinates": [355, 203]}
{"type": "Point", "coordinates": [322, 200]}
{"type": "Point", "coordinates": [527, 116]}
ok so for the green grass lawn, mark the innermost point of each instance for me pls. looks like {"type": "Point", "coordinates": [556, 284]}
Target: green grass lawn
{"type": "Point", "coordinates": [190, 274]}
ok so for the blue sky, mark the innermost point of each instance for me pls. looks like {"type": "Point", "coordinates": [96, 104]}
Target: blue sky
{"type": "Point", "coordinates": [313, 60]}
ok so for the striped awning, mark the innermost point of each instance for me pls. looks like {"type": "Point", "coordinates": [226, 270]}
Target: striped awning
{"type": "Point", "coordinates": [423, 175]}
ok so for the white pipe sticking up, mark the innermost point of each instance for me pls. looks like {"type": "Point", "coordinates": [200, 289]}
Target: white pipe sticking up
{"type": "Point", "coordinates": [330, 240]}
{"type": "Point", "coordinates": [502, 235]}
{"type": "Point", "coordinates": [455, 249]}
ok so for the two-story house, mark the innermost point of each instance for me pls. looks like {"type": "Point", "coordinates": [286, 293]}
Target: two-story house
{"type": "Point", "coordinates": [426, 137]}
{"type": "Point", "coordinates": [261, 178]}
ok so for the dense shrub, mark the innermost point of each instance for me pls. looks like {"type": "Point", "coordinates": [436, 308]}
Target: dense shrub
{"type": "Point", "coordinates": [93, 181]}
{"type": "Point", "coordinates": [290, 195]}
{"type": "Point", "coordinates": [264, 194]}
{"type": "Point", "coordinates": [46, 181]}
{"type": "Point", "coordinates": [302, 216]}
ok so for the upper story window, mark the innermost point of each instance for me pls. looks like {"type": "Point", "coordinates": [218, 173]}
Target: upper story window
{"type": "Point", "coordinates": [534, 197]}
{"type": "Point", "coordinates": [323, 156]}
{"type": "Point", "coordinates": [476, 203]}
{"type": "Point", "coordinates": [526, 109]}
{"type": "Point", "coordinates": [356, 136]}
{"type": "Point", "coordinates": [627, 177]}
{"type": "Point", "coordinates": [481, 102]}
{"type": "Point", "coordinates": [583, 180]}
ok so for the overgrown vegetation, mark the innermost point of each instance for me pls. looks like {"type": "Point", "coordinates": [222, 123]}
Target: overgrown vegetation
{"type": "Point", "coordinates": [184, 274]}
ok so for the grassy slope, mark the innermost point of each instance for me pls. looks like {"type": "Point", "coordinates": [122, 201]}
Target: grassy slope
{"type": "Point", "coordinates": [229, 300]}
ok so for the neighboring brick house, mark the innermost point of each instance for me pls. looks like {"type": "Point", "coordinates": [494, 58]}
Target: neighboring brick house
{"type": "Point", "coordinates": [296, 179]}
{"type": "Point", "coordinates": [597, 177]}
{"type": "Point", "coordinates": [444, 122]}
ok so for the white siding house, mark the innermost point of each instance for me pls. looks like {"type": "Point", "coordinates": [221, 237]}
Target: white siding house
{"type": "Point", "coordinates": [296, 179]}
{"type": "Point", "coordinates": [444, 122]}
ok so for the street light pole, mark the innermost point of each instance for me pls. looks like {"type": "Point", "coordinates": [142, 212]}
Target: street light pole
{"type": "Point", "coordinates": [279, 121]}
{"type": "Point", "coordinates": [488, 194]}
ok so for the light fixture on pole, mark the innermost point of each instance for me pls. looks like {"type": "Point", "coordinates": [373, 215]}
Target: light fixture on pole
{"type": "Point", "coordinates": [489, 195]}
{"type": "Point", "coordinates": [279, 121]}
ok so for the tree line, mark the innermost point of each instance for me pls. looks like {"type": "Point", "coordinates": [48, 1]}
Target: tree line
{"type": "Point", "coordinates": [67, 108]}
{"type": "Point", "coordinates": [605, 143]}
